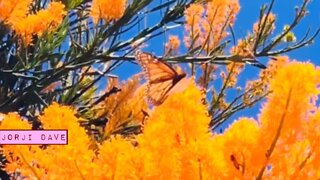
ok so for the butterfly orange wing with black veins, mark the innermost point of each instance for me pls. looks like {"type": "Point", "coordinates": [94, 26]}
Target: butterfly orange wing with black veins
{"type": "Point", "coordinates": [161, 77]}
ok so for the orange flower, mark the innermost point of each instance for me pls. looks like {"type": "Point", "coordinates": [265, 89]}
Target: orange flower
{"type": "Point", "coordinates": [18, 156]}
{"type": "Point", "coordinates": [55, 157]}
{"type": "Point", "coordinates": [52, 161]}
{"type": "Point", "coordinates": [260, 86]}
{"type": "Point", "coordinates": [266, 23]}
{"type": "Point", "coordinates": [173, 44]}
{"type": "Point", "coordinates": [310, 154]}
{"type": "Point", "coordinates": [291, 94]}
{"type": "Point", "coordinates": [113, 161]}
{"type": "Point", "coordinates": [211, 20]}
{"type": "Point", "coordinates": [183, 147]}
{"type": "Point", "coordinates": [63, 117]}
{"type": "Point", "coordinates": [26, 26]}
{"type": "Point", "coordinates": [294, 91]}
{"type": "Point", "coordinates": [193, 15]}
{"type": "Point", "coordinates": [242, 49]}
{"type": "Point", "coordinates": [239, 52]}
{"type": "Point", "coordinates": [233, 71]}
{"type": "Point", "coordinates": [220, 15]}
{"type": "Point", "coordinates": [240, 147]}
{"type": "Point", "coordinates": [13, 121]}
{"type": "Point", "coordinates": [176, 143]}
{"type": "Point", "coordinates": [107, 10]}
{"type": "Point", "coordinates": [125, 108]}
{"type": "Point", "coordinates": [13, 10]}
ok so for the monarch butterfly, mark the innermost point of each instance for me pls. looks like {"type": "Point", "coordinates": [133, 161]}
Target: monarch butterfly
{"type": "Point", "coordinates": [160, 76]}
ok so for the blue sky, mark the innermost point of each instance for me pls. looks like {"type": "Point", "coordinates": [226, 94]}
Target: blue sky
{"type": "Point", "coordinates": [249, 13]}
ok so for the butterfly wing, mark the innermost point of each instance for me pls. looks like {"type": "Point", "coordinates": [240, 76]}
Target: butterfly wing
{"type": "Point", "coordinates": [154, 69]}
{"type": "Point", "coordinates": [160, 76]}
{"type": "Point", "coordinates": [158, 92]}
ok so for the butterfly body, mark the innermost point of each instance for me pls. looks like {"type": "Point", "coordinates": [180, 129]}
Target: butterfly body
{"type": "Point", "coordinates": [161, 77]}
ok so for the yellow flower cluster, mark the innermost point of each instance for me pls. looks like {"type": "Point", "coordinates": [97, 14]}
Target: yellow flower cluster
{"type": "Point", "coordinates": [258, 87]}
{"type": "Point", "coordinates": [173, 44]}
{"type": "Point", "coordinates": [125, 108]}
{"type": "Point", "coordinates": [206, 23]}
{"type": "Point", "coordinates": [13, 10]}
{"type": "Point", "coordinates": [16, 15]}
{"type": "Point", "coordinates": [230, 77]}
{"type": "Point", "coordinates": [52, 161]}
{"type": "Point", "coordinates": [285, 121]}
{"type": "Point", "coordinates": [107, 10]}
{"type": "Point", "coordinates": [176, 143]}
{"type": "Point", "coordinates": [267, 24]}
